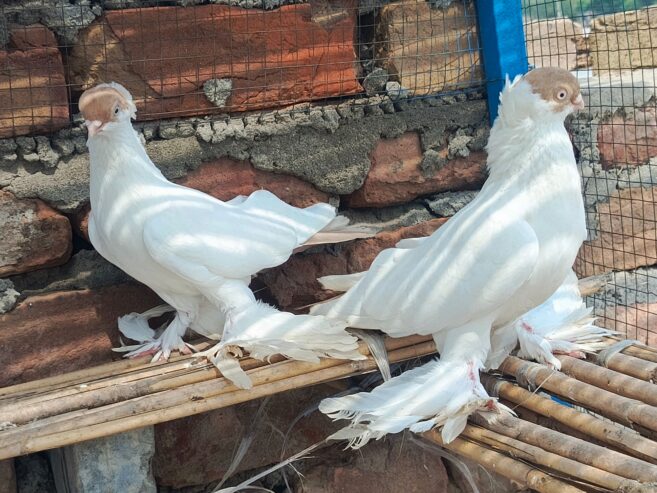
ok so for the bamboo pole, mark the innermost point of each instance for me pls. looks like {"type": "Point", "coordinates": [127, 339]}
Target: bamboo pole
{"type": "Point", "coordinates": [186, 401]}
{"type": "Point", "coordinates": [503, 465]}
{"type": "Point", "coordinates": [116, 390]}
{"type": "Point", "coordinates": [624, 410]}
{"type": "Point", "coordinates": [571, 447]}
{"type": "Point", "coordinates": [648, 354]}
{"type": "Point", "coordinates": [613, 434]}
{"type": "Point", "coordinates": [591, 285]}
{"type": "Point", "coordinates": [635, 367]}
{"type": "Point", "coordinates": [563, 465]}
{"type": "Point", "coordinates": [608, 379]}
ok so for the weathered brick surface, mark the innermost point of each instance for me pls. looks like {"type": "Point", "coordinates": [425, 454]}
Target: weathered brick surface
{"type": "Point", "coordinates": [33, 95]}
{"type": "Point", "coordinates": [624, 41]}
{"type": "Point", "coordinates": [166, 70]}
{"type": "Point", "coordinates": [226, 178]}
{"type": "Point", "coordinates": [198, 450]}
{"type": "Point", "coordinates": [392, 465]}
{"type": "Point", "coordinates": [59, 332]}
{"type": "Point", "coordinates": [428, 49]}
{"type": "Point", "coordinates": [294, 284]}
{"type": "Point", "coordinates": [553, 43]}
{"type": "Point", "coordinates": [397, 175]}
{"type": "Point", "coordinates": [627, 234]}
{"type": "Point", "coordinates": [33, 236]}
{"type": "Point", "coordinates": [628, 140]}
{"type": "Point", "coordinates": [637, 321]}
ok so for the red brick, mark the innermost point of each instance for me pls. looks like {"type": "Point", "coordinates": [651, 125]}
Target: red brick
{"type": "Point", "coordinates": [226, 178]}
{"type": "Point", "coordinates": [34, 236]}
{"type": "Point", "coordinates": [294, 284]}
{"type": "Point", "coordinates": [626, 234]}
{"type": "Point", "coordinates": [396, 176]}
{"type": "Point", "coordinates": [33, 95]}
{"type": "Point", "coordinates": [629, 140]}
{"type": "Point", "coordinates": [60, 332]}
{"type": "Point", "coordinates": [273, 57]}
{"type": "Point", "coordinates": [198, 450]}
{"type": "Point", "coordinates": [633, 322]}
{"type": "Point", "coordinates": [392, 465]}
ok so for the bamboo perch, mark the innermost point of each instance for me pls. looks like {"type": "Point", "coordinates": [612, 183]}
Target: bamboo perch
{"type": "Point", "coordinates": [96, 394]}
{"type": "Point", "coordinates": [635, 367]}
{"type": "Point", "coordinates": [607, 379]}
{"type": "Point", "coordinates": [591, 285]}
{"type": "Point", "coordinates": [615, 435]}
{"type": "Point", "coordinates": [503, 465]}
{"type": "Point", "coordinates": [563, 465]}
{"type": "Point", "coordinates": [571, 447]}
{"type": "Point", "coordinates": [186, 401]}
{"type": "Point", "coordinates": [627, 411]}
{"type": "Point", "coordinates": [645, 353]}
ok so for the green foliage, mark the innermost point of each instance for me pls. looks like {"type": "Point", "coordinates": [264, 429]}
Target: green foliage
{"type": "Point", "coordinates": [545, 9]}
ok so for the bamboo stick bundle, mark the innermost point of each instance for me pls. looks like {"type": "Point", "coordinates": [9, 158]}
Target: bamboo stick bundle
{"type": "Point", "coordinates": [142, 383]}
{"type": "Point", "coordinates": [176, 403]}
{"type": "Point", "coordinates": [627, 411]}
{"type": "Point", "coordinates": [608, 379]}
{"type": "Point", "coordinates": [571, 447]}
{"type": "Point", "coordinates": [613, 434]}
{"type": "Point", "coordinates": [564, 466]}
{"type": "Point", "coordinates": [508, 467]}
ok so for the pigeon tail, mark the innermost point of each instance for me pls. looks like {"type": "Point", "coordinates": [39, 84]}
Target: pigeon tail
{"type": "Point", "coordinates": [338, 231]}
{"type": "Point", "coordinates": [263, 332]}
{"type": "Point", "coordinates": [440, 393]}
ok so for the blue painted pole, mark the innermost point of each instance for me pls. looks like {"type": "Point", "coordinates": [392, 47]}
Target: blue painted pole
{"type": "Point", "coordinates": [503, 45]}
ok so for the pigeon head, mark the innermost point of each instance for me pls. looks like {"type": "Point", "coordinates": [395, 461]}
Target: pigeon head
{"type": "Point", "coordinates": [557, 87]}
{"type": "Point", "coordinates": [106, 106]}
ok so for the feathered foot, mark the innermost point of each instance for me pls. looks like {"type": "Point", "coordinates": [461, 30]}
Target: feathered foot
{"type": "Point", "coordinates": [440, 393]}
{"type": "Point", "coordinates": [263, 331]}
{"type": "Point", "coordinates": [135, 326]}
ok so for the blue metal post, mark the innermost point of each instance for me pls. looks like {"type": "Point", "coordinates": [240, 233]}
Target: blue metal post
{"type": "Point", "coordinates": [503, 45]}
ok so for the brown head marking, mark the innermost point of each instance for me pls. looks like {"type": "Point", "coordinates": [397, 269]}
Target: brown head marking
{"type": "Point", "coordinates": [99, 103]}
{"type": "Point", "coordinates": [555, 85]}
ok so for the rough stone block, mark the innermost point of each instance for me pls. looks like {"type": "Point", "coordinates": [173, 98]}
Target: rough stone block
{"type": "Point", "coordinates": [624, 41]}
{"type": "Point", "coordinates": [34, 236]}
{"type": "Point", "coordinates": [116, 463]}
{"type": "Point", "coordinates": [553, 43]}
{"type": "Point", "coordinates": [429, 49]}
{"type": "Point", "coordinates": [400, 172]}
{"type": "Point", "coordinates": [294, 284]}
{"type": "Point", "coordinates": [270, 57]}
{"type": "Point", "coordinates": [33, 96]}
{"type": "Point", "coordinates": [64, 331]}
{"type": "Point", "coordinates": [626, 234]}
{"type": "Point", "coordinates": [629, 139]}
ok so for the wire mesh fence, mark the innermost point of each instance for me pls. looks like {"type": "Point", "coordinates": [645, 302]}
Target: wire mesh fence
{"type": "Point", "coordinates": [612, 47]}
{"type": "Point", "coordinates": [189, 58]}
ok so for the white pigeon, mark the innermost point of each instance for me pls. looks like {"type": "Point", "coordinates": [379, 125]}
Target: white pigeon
{"type": "Point", "coordinates": [500, 256]}
{"type": "Point", "coordinates": [561, 325]}
{"type": "Point", "coordinates": [199, 253]}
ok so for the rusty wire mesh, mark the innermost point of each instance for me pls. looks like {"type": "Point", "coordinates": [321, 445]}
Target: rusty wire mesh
{"type": "Point", "coordinates": [183, 58]}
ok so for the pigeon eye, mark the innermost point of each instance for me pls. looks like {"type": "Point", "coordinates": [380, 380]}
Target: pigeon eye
{"type": "Point", "coordinates": [116, 110]}
{"type": "Point", "coordinates": [562, 94]}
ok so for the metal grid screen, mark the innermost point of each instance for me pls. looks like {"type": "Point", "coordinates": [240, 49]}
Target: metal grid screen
{"type": "Point", "coordinates": [611, 45]}
{"type": "Point", "coordinates": [185, 58]}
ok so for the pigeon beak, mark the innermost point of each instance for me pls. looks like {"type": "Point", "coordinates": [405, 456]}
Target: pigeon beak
{"type": "Point", "coordinates": [579, 102]}
{"type": "Point", "coordinates": [94, 127]}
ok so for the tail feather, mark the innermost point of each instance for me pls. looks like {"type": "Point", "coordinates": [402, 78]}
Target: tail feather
{"type": "Point", "coordinates": [338, 231]}
{"type": "Point", "coordinates": [341, 282]}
